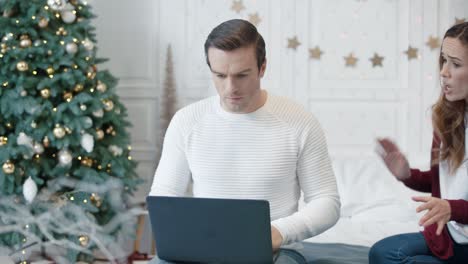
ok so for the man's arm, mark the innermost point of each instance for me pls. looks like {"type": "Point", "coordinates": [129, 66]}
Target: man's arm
{"type": "Point", "coordinates": [317, 181]}
{"type": "Point", "coordinates": [173, 173]}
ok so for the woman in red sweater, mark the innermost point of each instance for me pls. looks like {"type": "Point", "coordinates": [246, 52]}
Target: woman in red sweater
{"type": "Point", "coordinates": [445, 222]}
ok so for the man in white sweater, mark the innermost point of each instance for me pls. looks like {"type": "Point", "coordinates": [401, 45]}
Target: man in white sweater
{"type": "Point", "coordinates": [248, 144]}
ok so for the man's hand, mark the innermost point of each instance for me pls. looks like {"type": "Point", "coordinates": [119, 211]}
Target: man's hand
{"type": "Point", "coordinates": [276, 238]}
{"type": "Point", "coordinates": [439, 212]}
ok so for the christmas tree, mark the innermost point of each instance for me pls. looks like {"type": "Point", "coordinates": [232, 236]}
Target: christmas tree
{"type": "Point", "coordinates": [67, 173]}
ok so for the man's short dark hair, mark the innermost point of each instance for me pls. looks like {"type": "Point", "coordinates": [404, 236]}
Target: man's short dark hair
{"type": "Point", "coordinates": [234, 34]}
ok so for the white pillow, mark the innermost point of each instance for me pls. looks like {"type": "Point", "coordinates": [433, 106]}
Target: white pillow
{"type": "Point", "coordinates": [368, 189]}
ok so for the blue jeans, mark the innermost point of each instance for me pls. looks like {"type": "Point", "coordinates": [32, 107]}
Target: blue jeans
{"type": "Point", "coordinates": [411, 249]}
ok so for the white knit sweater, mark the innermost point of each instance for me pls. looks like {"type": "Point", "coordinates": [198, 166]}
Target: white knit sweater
{"type": "Point", "coordinates": [270, 154]}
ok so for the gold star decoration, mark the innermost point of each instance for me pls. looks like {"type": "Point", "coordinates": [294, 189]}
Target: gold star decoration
{"type": "Point", "coordinates": [351, 60]}
{"type": "Point", "coordinates": [459, 20]}
{"type": "Point", "coordinates": [433, 42]}
{"type": "Point", "coordinates": [255, 19]}
{"type": "Point", "coordinates": [237, 6]}
{"type": "Point", "coordinates": [315, 53]}
{"type": "Point", "coordinates": [412, 53]}
{"type": "Point", "coordinates": [293, 43]}
{"type": "Point", "coordinates": [376, 60]}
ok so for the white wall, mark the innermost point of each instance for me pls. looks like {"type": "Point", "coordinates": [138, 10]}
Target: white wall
{"type": "Point", "coordinates": [354, 105]}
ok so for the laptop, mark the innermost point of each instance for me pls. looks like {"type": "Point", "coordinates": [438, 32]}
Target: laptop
{"type": "Point", "coordinates": [211, 230]}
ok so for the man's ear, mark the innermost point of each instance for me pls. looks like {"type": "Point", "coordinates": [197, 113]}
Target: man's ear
{"type": "Point", "coordinates": [263, 68]}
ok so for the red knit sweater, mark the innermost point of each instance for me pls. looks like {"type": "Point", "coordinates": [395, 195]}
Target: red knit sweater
{"type": "Point", "coordinates": [428, 181]}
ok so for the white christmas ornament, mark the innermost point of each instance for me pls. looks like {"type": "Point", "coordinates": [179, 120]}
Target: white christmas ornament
{"type": "Point", "coordinates": [87, 142]}
{"type": "Point", "coordinates": [98, 113]}
{"type": "Point", "coordinates": [38, 148]}
{"type": "Point", "coordinates": [116, 151]}
{"type": "Point", "coordinates": [68, 16]}
{"type": "Point", "coordinates": [88, 44]}
{"type": "Point", "coordinates": [56, 4]}
{"type": "Point", "coordinates": [88, 121]}
{"type": "Point", "coordinates": [65, 157]}
{"type": "Point", "coordinates": [29, 190]}
{"type": "Point", "coordinates": [24, 140]}
{"type": "Point", "coordinates": [71, 48]}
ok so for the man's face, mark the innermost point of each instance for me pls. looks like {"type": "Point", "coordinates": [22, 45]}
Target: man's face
{"type": "Point", "coordinates": [237, 78]}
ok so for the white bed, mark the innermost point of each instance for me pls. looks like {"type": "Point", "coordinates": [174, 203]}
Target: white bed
{"type": "Point", "coordinates": [374, 204]}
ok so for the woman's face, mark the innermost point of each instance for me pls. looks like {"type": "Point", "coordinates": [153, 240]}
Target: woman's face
{"type": "Point", "coordinates": [454, 70]}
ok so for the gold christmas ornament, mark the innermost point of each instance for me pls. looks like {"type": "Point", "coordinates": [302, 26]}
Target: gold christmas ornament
{"type": "Point", "coordinates": [46, 142]}
{"type": "Point", "coordinates": [68, 96]}
{"type": "Point", "coordinates": [109, 129]}
{"type": "Point", "coordinates": [108, 105]}
{"type": "Point", "coordinates": [8, 167]}
{"type": "Point", "coordinates": [99, 134]}
{"type": "Point", "coordinates": [68, 130]}
{"type": "Point", "coordinates": [91, 74]}
{"type": "Point", "coordinates": [87, 162]}
{"type": "Point", "coordinates": [61, 32]}
{"type": "Point", "coordinates": [95, 199]}
{"type": "Point", "coordinates": [84, 240]}
{"type": "Point", "coordinates": [43, 22]}
{"type": "Point", "coordinates": [22, 66]}
{"type": "Point", "coordinates": [3, 140]}
{"type": "Point", "coordinates": [59, 132]}
{"type": "Point", "coordinates": [101, 87]}
{"type": "Point", "coordinates": [9, 125]}
{"type": "Point", "coordinates": [25, 41]}
{"type": "Point", "coordinates": [50, 70]}
{"type": "Point", "coordinates": [45, 93]}
{"type": "Point", "coordinates": [7, 13]}
{"type": "Point", "coordinates": [78, 88]}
